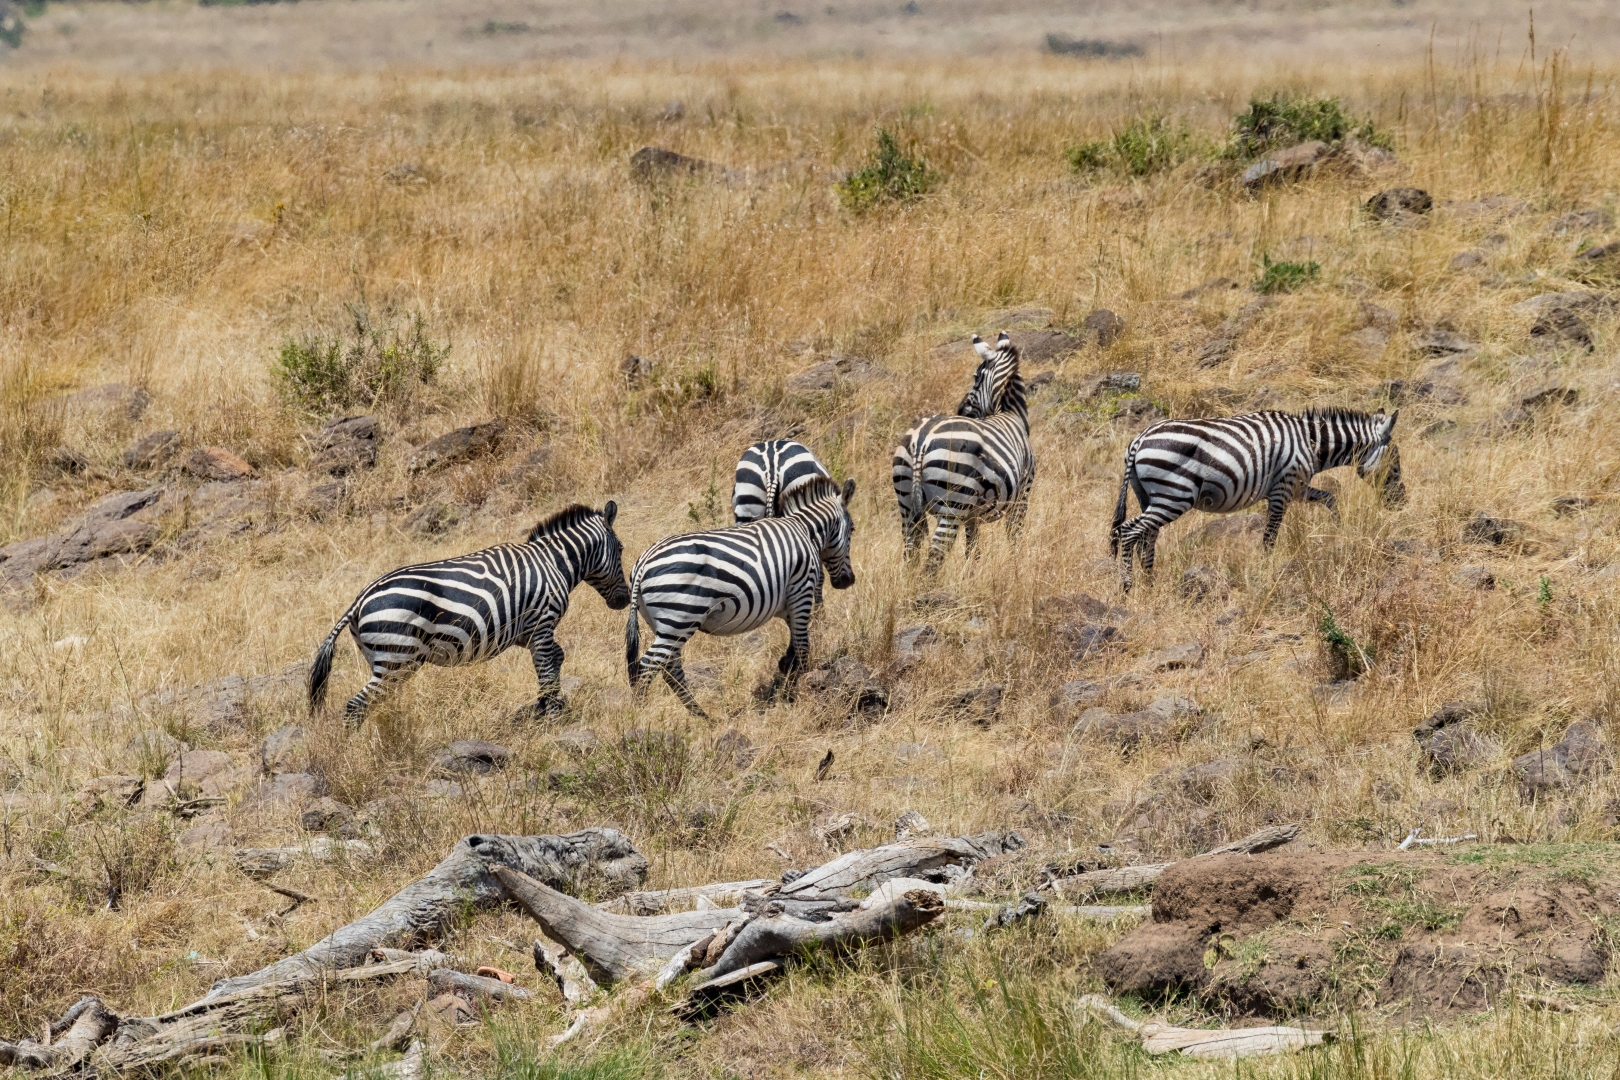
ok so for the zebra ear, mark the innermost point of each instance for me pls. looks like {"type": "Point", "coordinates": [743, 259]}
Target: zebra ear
{"type": "Point", "coordinates": [609, 512]}
{"type": "Point", "coordinates": [980, 347]}
{"type": "Point", "coordinates": [1390, 427]}
{"type": "Point", "coordinates": [849, 490]}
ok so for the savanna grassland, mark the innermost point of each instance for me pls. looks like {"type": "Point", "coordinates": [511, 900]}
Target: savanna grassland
{"type": "Point", "coordinates": [197, 238]}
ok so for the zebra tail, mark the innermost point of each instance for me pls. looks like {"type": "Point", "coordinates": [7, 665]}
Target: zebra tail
{"type": "Point", "coordinates": [1119, 512]}
{"type": "Point", "coordinates": [914, 498]}
{"type": "Point", "coordinates": [321, 670]}
{"type": "Point", "coordinates": [632, 636]}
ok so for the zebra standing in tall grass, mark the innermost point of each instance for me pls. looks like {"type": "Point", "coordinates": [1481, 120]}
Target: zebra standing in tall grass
{"type": "Point", "coordinates": [731, 581]}
{"type": "Point", "coordinates": [1226, 464]}
{"type": "Point", "coordinates": [474, 607]}
{"type": "Point", "coordinates": [969, 468]}
{"type": "Point", "coordinates": [767, 473]}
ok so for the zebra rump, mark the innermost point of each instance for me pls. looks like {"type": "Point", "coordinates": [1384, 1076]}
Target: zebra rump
{"type": "Point", "coordinates": [767, 473]}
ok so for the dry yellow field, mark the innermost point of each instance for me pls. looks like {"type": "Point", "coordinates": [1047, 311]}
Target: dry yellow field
{"type": "Point", "coordinates": [171, 231]}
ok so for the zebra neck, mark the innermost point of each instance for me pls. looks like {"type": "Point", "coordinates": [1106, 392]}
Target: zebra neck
{"type": "Point", "coordinates": [562, 555]}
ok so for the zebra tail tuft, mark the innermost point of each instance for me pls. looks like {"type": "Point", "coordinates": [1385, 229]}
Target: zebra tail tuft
{"type": "Point", "coordinates": [321, 669]}
{"type": "Point", "coordinates": [914, 498]}
{"type": "Point", "coordinates": [632, 637]}
{"type": "Point", "coordinates": [1119, 513]}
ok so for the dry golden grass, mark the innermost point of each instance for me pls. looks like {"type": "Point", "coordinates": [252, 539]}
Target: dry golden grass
{"type": "Point", "coordinates": [170, 231]}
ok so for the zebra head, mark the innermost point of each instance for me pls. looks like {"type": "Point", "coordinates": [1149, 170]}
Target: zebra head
{"type": "Point", "coordinates": [824, 506]}
{"type": "Point", "coordinates": [586, 538]}
{"type": "Point", "coordinates": [997, 385]}
{"type": "Point", "coordinates": [1372, 450]}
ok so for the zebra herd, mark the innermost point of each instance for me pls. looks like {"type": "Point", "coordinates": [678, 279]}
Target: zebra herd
{"type": "Point", "coordinates": [792, 524]}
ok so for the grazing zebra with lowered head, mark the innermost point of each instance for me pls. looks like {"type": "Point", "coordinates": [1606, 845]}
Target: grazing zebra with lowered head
{"type": "Point", "coordinates": [766, 474]}
{"type": "Point", "coordinates": [1226, 464]}
{"type": "Point", "coordinates": [969, 468]}
{"type": "Point", "coordinates": [731, 581]}
{"type": "Point", "coordinates": [473, 607]}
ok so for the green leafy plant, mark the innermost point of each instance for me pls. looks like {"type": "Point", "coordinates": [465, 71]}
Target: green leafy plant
{"type": "Point", "coordinates": [890, 175]}
{"type": "Point", "coordinates": [376, 362]}
{"type": "Point", "coordinates": [1544, 593]}
{"type": "Point", "coordinates": [1281, 277]}
{"type": "Point", "coordinates": [1148, 144]}
{"type": "Point", "coordinates": [1284, 120]}
{"type": "Point", "coordinates": [1346, 659]}
{"type": "Point", "coordinates": [709, 513]}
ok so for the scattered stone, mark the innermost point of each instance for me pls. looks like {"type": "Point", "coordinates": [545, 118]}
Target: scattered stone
{"type": "Point", "coordinates": [654, 163]}
{"type": "Point", "coordinates": [737, 748]}
{"type": "Point", "coordinates": [1114, 382]}
{"type": "Point", "coordinates": [462, 444]}
{"type": "Point", "coordinates": [1591, 220]}
{"type": "Point", "coordinates": [579, 741]}
{"type": "Point", "coordinates": [1513, 418]}
{"type": "Point", "coordinates": [980, 704]}
{"type": "Point", "coordinates": [1381, 318]}
{"type": "Point", "coordinates": [910, 641]}
{"type": "Point", "coordinates": [914, 751]}
{"type": "Point", "coordinates": [1476, 577]}
{"type": "Point", "coordinates": [1037, 347]}
{"type": "Point", "coordinates": [1391, 202]}
{"type": "Point", "coordinates": [1086, 639]}
{"type": "Point", "coordinates": [1040, 379]}
{"type": "Point", "coordinates": [1403, 391]}
{"type": "Point", "coordinates": [1484, 529]}
{"type": "Point", "coordinates": [1171, 706]}
{"type": "Point", "coordinates": [835, 371]}
{"type": "Point", "coordinates": [1219, 348]}
{"type": "Point", "coordinates": [130, 401]}
{"type": "Point", "coordinates": [1076, 694]}
{"type": "Point", "coordinates": [283, 750]}
{"type": "Point", "coordinates": [345, 445]}
{"type": "Point", "coordinates": [636, 370]}
{"type": "Point", "coordinates": [1490, 206]}
{"type": "Point", "coordinates": [848, 678]}
{"type": "Point", "coordinates": [109, 793]}
{"type": "Point", "coordinates": [1443, 342]}
{"type": "Point", "coordinates": [156, 745]}
{"type": "Point", "coordinates": [441, 789]}
{"type": "Point", "coordinates": [470, 757]}
{"type": "Point", "coordinates": [291, 787]}
{"type": "Point", "coordinates": [194, 766]}
{"type": "Point", "coordinates": [1103, 327]}
{"type": "Point", "coordinates": [217, 463]}
{"type": "Point", "coordinates": [1563, 326]}
{"type": "Point", "coordinates": [834, 832]}
{"type": "Point", "coordinates": [1294, 163]}
{"type": "Point", "coordinates": [1552, 393]}
{"type": "Point", "coordinates": [433, 519]}
{"type": "Point", "coordinates": [204, 836]}
{"type": "Point", "coordinates": [1124, 731]}
{"type": "Point", "coordinates": [1200, 582]}
{"type": "Point", "coordinates": [1447, 739]}
{"type": "Point", "coordinates": [909, 824]}
{"type": "Point", "coordinates": [1579, 755]}
{"type": "Point", "coordinates": [1570, 505]}
{"type": "Point", "coordinates": [1206, 780]}
{"type": "Point", "coordinates": [324, 500]}
{"type": "Point", "coordinates": [1369, 339]}
{"type": "Point", "coordinates": [1466, 260]}
{"type": "Point", "coordinates": [1186, 655]}
{"type": "Point", "coordinates": [1601, 252]}
{"type": "Point", "coordinates": [1214, 284]}
{"type": "Point", "coordinates": [68, 461]}
{"type": "Point", "coordinates": [326, 815]}
{"type": "Point", "coordinates": [1573, 301]}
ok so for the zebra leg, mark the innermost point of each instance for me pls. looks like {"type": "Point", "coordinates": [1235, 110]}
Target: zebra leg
{"type": "Point", "coordinates": [1015, 515]}
{"type": "Point", "coordinates": [382, 682]}
{"type": "Point", "coordinates": [1276, 506]}
{"type": "Point", "coordinates": [676, 678]}
{"type": "Point", "coordinates": [1148, 541]}
{"type": "Point", "coordinates": [1326, 498]}
{"type": "Point", "coordinates": [970, 536]}
{"type": "Point", "coordinates": [912, 531]}
{"type": "Point", "coordinates": [548, 661]}
{"type": "Point", "coordinates": [944, 537]}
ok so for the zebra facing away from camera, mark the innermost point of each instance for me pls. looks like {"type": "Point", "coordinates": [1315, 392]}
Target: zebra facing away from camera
{"type": "Point", "coordinates": [474, 607]}
{"type": "Point", "coordinates": [731, 581]}
{"type": "Point", "coordinates": [1226, 464]}
{"type": "Point", "coordinates": [973, 467]}
{"type": "Point", "coordinates": [767, 473]}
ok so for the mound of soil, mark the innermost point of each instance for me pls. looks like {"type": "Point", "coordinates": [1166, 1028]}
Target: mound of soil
{"type": "Point", "coordinates": [1423, 933]}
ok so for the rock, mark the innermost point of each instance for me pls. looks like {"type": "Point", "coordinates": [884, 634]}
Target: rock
{"type": "Point", "coordinates": [194, 766]}
{"type": "Point", "coordinates": [1563, 326]}
{"type": "Point", "coordinates": [1233, 526]}
{"type": "Point", "coordinates": [1103, 327]}
{"type": "Point", "coordinates": [217, 463]}
{"type": "Point", "coordinates": [345, 445]}
{"type": "Point", "coordinates": [462, 444]}
{"type": "Point", "coordinates": [1200, 582]}
{"type": "Point", "coordinates": [204, 836]}
{"type": "Point", "coordinates": [836, 371]}
{"type": "Point", "coordinates": [222, 704]}
{"type": "Point", "coordinates": [1551, 393]}
{"type": "Point", "coordinates": [1086, 639]}
{"type": "Point", "coordinates": [1069, 606]}
{"type": "Point", "coordinates": [151, 450]}
{"type": "Point", "coordinates": [654, 163]}
{"type": "Point", "coordinates": [909, 824]}
{"type": "Point", "coordinates": [1572, 301]}
{"type": "Point", "coordinates": [1466, 260]}
{"type": "Point", "coordinates": [736, 748]}
{"type": "Point", "coordinates": [1204, 781]}
{"type": "Point", "coordinates": [1171, 706]}
{"type": "Point", "coordinates": [1500, 206]}
{"type": "Point", "coordinates": [847, 677]}
{"type": "Point", "coordinates": [1513, 418]}
{"type": "Point", "coordinates": [1579, 755]}
{"type": "Point", "coordinates": [109, 793]}
{"type": "Point", "coordinates": [1442, 342]}
{"type": "Point", "coordinates": [1402, 391]}
{"type": "Point", "coordinates": [1113, 382]}
{"type": "Point", "coordinates": [835, 831]}
{"type": "Point", "coordinates": [226, 781]}
{"type": "Point", "coordinates": [470, 756]}
{"type": "Point", "coordinates": [1040, 379]}
{"type": "Point", "coordinates": [326, 814]}
{"type": "Point", "coordinates": [980, 704]}
{"type": "Point", "coordinates": [1186, 655]}
{"type": "Point", "coordinates": [1601, 252]}
{"type": "Point", "coordinates": [1484, 529]}
{"type": "Point", "coordinates": [433, 519]}
{"type": "Point", "coordinates": [579, 741]}
{"type": "Point", "coordinates": [1076, 694]}
{"type": "Point", "coordinates": [1294, 163]}
{"type": "Point", "coordinates": [155, 745]}
{"type": "Point", "coordinates": [1124, 731]}
{"type": "Point", "coordinates": [1037, 347]}
{"type": "Point", "coordinates": [1214, 284]}
{"type": "Point", "coordinates": [290, 788]}
{"type": "Point", "coordinates": [105, 529]}
{"type": "Point", "coordinates": [1369, 339]}
{"type": "Point", "coordinates": [1591, 220]}
{"type": "Point", "coordinates": [128, 401]}
{"type": "Point", "coordinates": [1454, 749]}
{"type": "Point", "coordinates": [67, 461]}
{"type": "Point", "coordinates": [1011, 318]}
{"type": "Point", "coordinates": [1476, 577]}
{"type": "Point", "coordinates": [284, 750]}
{"type": "Point", "coordinates": [911, 640]}
{"type": "Point", "coordinates": [1398, 200]}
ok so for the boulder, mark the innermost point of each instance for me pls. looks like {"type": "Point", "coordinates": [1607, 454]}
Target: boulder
{"type": "Point", "coordinates": [1392, 202]}
{"type": "Point", "coordinates": [1579, 756]}
{"type": "Point", "coordinates": [1601, 252]}
{"type": "Point", "coordinates": [1086, 639]}
{"type": "Point", "coordinates": [130, 402]}
{"type": "Point", "coordinates": [579, 741]}
{"type": "Point", "coordinates": [1484, 529]}
{"type": "Point", "coordinates": [1443, 342]}
{"type": "Point", "coordinates": [462, 444]}
{"type": "Point", "coordinates": [103, 530]}
{"type": "Point", "coordinates": [109, 793]}
{"type": "Point", "coordinates": [195, 766]}
{"type": "Point", "coordinates": [150, 451]}
{"type": "Point", "coordinates": [217, 463]}
{"type": "Point", "coordinates": [1447, 739]}
{"type": "Point", "coordinates": [1188, 654]}
{"type": "Point", "coordinates": [980, 704]}
{"type": "Point", "coordinates": [345, 445]}
{"type": "Point", "coordinates": [1380, 318]}
{"type": "Point", "coordinates": [156, 745]}
{"type": "Point", "coordinates": [284, 750]}
{"type": "Point", "coordinates": [433, 519]}
{"type": "Point", "coordinates": [737, 748]}
{"type": "Point", "coordinates": [1597, 303]}
{"type": "Point", "coordinates": [654, 163]}
{"type": "Point", "coordinates": [1476, 577]}
{"type": "Point", "coordinates": [1174, 706]}
{"type": "Point", "coordinates": [1466, 260]}
{"type": "Point", "coordinates": [1076, 694]}
{"type": "Point", "coordinates": [326, 814]}
{"type": "Point", "coordinates": [909, 643]}
{"type": "Point", "coordinates": [829, 374]}
{"type": "Point", "coordinates": [204, 836]}
{"type": "Point", "coordinates": [470, 756]}
{"type": "Point", "coordinates": [1294, 163]}
{"type": "Point", "coordinates": [1576, 221]}
{"type": "Point", "coordinates": [290, 788]}
{"type": "Point", "coordinates": [1124, 731]}
{"type": "Point", "coordinates": [1201, 582]}
{"type": "Point", "coordinates": [1561, 326]}
{"type": "Point", "coordinates": [1037, 347]}
{"type": "Point", "coordinates": [1206, 780]}
{"type": "Point", "coordinates": [1113, 382]}
{"type": "Point", "coordinates": [1549, 393]}
{"type": "Point", "coordinates": [849, 679]}
{"type": "Point", "coordinates": [1103, 327]}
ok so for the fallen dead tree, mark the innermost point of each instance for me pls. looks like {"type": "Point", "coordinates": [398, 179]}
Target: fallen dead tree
{"type": "Point", "coordinates": [1160, 1038]}
{"type": "Point", "coordinates": [1131, 878]}
{"type": "Point", "coordinates": [101, 1042]}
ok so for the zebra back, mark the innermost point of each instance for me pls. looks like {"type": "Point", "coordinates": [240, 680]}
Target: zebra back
{"type": "Point", "coordinates": [766, 473]}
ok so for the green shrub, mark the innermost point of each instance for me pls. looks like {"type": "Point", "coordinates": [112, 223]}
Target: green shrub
{"type": "Point", "coordinates": [1284, 120]}
{"type": "Point", "coordinates": [1346, 658]}
{"type": "Point", "coordinates": [1280, 277]}
{"type": "Point", "coordinates": [375, 363]}
{"type": "Point", "coordinates": [891, 175]}
{"type": "Point", "coordinates": [1148, 144]}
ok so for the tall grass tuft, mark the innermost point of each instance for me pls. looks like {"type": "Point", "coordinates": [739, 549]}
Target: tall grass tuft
{"type": "Point", "coordinates": [891, 176]}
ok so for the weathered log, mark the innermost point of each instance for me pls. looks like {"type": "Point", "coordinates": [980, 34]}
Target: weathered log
{"type": "Point", "coordinates": [92, 1023]}
{"type": "Point", "coordinates": [1160, 1038]}
{"type": "Point", "coordinates": [656, 902]}
{"type": "Point", "coordinates": [425, 960]}
{"type": "Point", "coordinates": [398, 1031]}
{"type": "Point", "coordinates": [261, 863]}
{"type": "Point", "coordinates": [613, 947]}
{"type": "Point", "coordinates": [920, 857]}
{"type": "Point", "coordinates": [633, 998]}
{"type": "Point", "coordinates": [413, 1066]}
{"type": "Point", "coordinates": [1131, 878]}
{"type": "Point", "coordinates": [766, 939]}
{"type": "Point", "coordinates": [433, 901]}
{"type": "Point", "coordinates": [688, 958]}
{"type": "Point", "coordinates": [572, 979]}
{"type": "Point", "coordinates": [1272, 836]}
{"type": "Point", "coordinates": [703, 996]}
{"type": "Point", "coordinates": [446, 980]}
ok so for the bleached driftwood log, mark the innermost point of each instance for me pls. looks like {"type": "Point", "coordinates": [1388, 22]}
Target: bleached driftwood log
{"type": "Point", "coordinates": [613, 947]}
{"type": "Point", "coordinates": [769, 938]}
{"type": "Point", "coordinates": [570, 975]}
{"type": "Point", "coordinates": [1131, 878]}
{"type": "Point", "coordinates": [447, 980]}
{"type": "Point", "coordinates": [1160, 1038]}
{"type": "Point", "coordinates": [919, 857]}
{"type": "Point", "coordinates": [721, 894]}
{"type": "Point", "coordinates": [87, 1024]}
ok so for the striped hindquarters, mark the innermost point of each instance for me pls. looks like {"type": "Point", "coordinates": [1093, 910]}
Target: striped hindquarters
{"type": "Point", "coordinates": [766, 474]}
{"type": "Point", "coordinates": [1217, 465]}
{"type": "Point", "coordinates": [724, 581]}
{"type": "Point", "coordinates": [963, 466]}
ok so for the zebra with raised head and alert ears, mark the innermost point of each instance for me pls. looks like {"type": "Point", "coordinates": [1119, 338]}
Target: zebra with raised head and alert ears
{"type": "Point", "coordinates": [731, 581]}
{"type": "Point", "coordinates": [474, 607]}
{"type": "Point", "coordinates": [767, 472]}
{"type": "Point", "coordinates": [1226, 464]}
{"type": "Point", "coordinates": [974, 467]}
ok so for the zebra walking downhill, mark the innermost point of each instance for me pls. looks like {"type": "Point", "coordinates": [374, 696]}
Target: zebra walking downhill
{"type": "Point", "coordinates": [973, 467]}
{"type": "Point", "coordinates": [1226, 464]}
{"type": "Point", "coordinates": [474, 607]}
{"type": "Point", "coordinates": [731, 581]}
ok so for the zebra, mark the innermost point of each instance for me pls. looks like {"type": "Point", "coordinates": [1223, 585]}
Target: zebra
{"type": "Point", "coordinates": [1225, 464]}
{"type": "Point", "coordinates": [473, 607]}
{"type": "Point", "coordinates": [731, 581]}
{"type": "Point", "coordinates": [766, 473]}
{"type": "Point", "coordinates": [969, 468]}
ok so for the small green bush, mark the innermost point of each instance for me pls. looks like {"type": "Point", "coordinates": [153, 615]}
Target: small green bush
{"type": "Point", "coordinates": [891, 175]}
{"type": "Point", "coordinates": [1281, 277]}
{"type": "Point", "coordinates": [1148, 144]}
{"type": "Point", "coordinates": [1346, 658]}
{"type": "Point", "coordinates": [1284, 120]}
{"type": "Point", "coordinates": [374, 364]}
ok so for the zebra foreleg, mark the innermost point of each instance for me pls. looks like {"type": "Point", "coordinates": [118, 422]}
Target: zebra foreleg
{"type": "Point", "coordinates": [675, 676]}
{"type": "Point", "coordinates": [548, 662]}
{"type": "Point", "coordinates": [1326, 498]}
{"type": "Point", "coordinates": [1276, 507]}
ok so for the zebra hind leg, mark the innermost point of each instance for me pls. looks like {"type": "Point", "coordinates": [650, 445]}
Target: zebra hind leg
{"type": "Point", "coordinates": [377, 687]}
{"type": "Point", "coordinates": [675, 676]}
{"type": "Point", "coordinates": [1326, 498]}
{"type": "Point", "coordinates": [942, 542]}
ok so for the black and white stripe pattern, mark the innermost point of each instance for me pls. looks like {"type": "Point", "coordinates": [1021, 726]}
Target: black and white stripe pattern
{"type": "Point", "coordinates": [474, 607]}
{"type": "Point", "coordinates": [768, 472]}
{"type": "Point", "coordinates": [1225, 464]}
{"type": "Point", "coordinates": [969, 468]}
{"type": "Point", "coordinates": [731, 581]}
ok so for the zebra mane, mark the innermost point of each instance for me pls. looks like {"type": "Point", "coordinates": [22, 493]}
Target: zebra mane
{"type": "Point", "coordinates": [812, 490]}
{"type": "Point", "coordinates": [562, 521]}
{"type": "Point", "coordinates": [1336, 412]}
